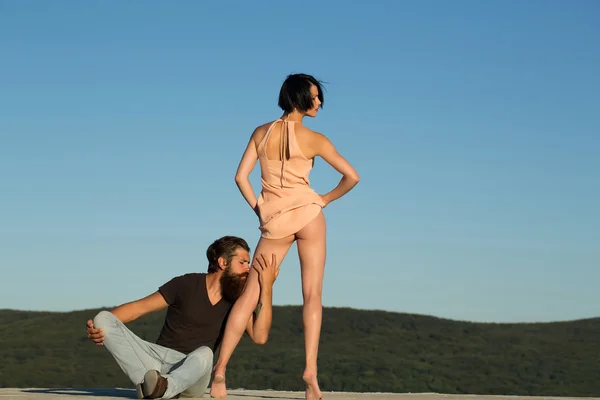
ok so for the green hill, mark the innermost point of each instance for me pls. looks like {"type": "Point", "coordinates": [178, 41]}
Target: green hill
{"type": "Point", "coordinates": [362, 351]}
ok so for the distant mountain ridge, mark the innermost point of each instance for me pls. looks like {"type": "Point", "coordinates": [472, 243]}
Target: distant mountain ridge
{"type": "Point", "coordinates": [360, 351]}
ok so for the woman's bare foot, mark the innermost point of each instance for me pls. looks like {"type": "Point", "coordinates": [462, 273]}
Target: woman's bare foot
{"type": "Point", "coordinates": [217, 387]}
{"type": "Point", "coordinates": [312, 386]}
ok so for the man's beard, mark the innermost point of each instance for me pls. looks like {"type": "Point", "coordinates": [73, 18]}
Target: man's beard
{"type": "Point", "coordinates": [232, 285]}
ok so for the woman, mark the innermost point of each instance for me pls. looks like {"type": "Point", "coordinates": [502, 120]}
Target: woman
{"type": "Point", "coordinates": [288, 210]}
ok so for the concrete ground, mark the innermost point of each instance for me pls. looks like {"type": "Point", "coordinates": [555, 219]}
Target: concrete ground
{"type": "Point", "coordinates": [119, 394]}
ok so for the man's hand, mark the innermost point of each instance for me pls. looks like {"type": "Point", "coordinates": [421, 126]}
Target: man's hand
{"type": "Point", "coordinates": [94, 334]}
{"type": "Point", "coordinates": [267, 271]}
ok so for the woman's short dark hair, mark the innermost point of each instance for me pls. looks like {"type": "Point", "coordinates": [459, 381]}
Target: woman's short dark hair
{"type": "Point", "coordinates": [295, 93]}
{"type": "Point", "coordinates": [224, 247]}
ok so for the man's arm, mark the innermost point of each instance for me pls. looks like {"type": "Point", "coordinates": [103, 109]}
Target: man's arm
{"type": "Point", "coordinates": [133, 310]}
{"type": "Point", "coordinates": [259, 323]}
{"type": "Point", "coordinates": [129, 312]}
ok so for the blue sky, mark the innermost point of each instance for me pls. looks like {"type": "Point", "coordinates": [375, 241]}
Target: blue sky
{"type": "Point", "coordinates": [474, 126]}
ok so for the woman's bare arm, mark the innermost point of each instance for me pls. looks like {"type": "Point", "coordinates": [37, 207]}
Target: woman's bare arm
{"type": "Point", "coordinates": [245, 167]}
{"type": "Point", "coordinates": [327, 151]}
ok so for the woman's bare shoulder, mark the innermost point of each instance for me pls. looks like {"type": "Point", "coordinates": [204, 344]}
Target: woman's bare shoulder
{"type": "Point", "coordinates": [260, 131]}
{"type": "Point", "coordinates": [310, 141]}
{"type": "Point", "coordinates": [310, 136]}
{"type": "Point", "coordinates": [309, 133]}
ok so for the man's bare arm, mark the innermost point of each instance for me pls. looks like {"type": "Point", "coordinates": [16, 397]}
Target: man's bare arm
{"type": "Point", "coordinates": [129, 312]}
{"type": "Point", "coordinates": [133, 310]}
{"type": "Point", "coordinates": [259, 324]}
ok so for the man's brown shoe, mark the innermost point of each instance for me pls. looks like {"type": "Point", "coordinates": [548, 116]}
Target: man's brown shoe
{"type": "Point", "coordinates": [154, 385]}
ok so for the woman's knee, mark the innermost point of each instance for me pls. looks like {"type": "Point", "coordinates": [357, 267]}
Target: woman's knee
{"type": "Point", "coordinates": [312, 293]}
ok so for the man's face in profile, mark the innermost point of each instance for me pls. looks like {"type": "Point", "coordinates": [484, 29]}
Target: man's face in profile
{"type": "Point", "coordinates": [233, 279]}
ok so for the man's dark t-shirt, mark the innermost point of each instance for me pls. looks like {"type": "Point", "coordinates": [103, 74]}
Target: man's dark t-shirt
{"type": "Point", "coordinates": [191, 321]}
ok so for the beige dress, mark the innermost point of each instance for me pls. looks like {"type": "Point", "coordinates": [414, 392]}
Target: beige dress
{"type": "Point", "coordinates": [287, 203]}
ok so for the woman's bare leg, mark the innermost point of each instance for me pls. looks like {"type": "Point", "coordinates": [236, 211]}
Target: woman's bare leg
{"type": "Point", "coordinates": [243, 309]}
{"type": "Point", "coordinates": [312, 246]}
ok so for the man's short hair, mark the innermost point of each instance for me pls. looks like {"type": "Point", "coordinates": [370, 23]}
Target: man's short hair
{"type": "Point", "coordinates": [224, 247]}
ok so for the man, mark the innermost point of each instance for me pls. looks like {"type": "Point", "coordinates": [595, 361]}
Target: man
{"type": "Point", "coordinates": [180, 362]}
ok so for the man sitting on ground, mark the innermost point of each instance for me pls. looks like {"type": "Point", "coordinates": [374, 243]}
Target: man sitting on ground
{"type": "Point", "coordinates": [180, 362]}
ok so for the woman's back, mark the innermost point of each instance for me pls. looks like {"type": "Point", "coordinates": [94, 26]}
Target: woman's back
{"type": "Point", "coordinates": [303, 136]}
{"type": "Point", "coordinates": [286, 154]}
{"type": "Point", "coordinates": [287, 202]}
